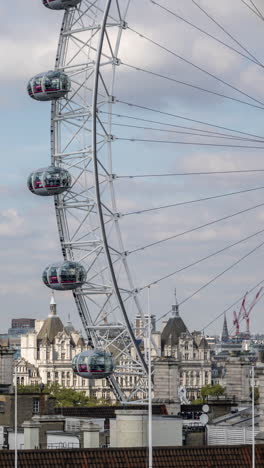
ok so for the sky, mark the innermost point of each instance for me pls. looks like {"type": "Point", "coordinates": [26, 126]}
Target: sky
{"type": "Point", "coordinates": [28, 232]}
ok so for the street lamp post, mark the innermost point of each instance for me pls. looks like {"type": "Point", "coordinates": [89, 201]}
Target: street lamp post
{"type": "Point", "coordinates": [149, 386]}
{"type": "Point", "coordinates": [15, 416]}
{"type": "Point", "coordinates": [253, 413]}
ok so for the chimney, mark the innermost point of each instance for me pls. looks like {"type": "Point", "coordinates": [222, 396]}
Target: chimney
{"type": "Point", "coordinates": [129, 429]}
{"type": "Point", "coordinates": [31, 434]}
{"type": "Point", "coordinates": [90, 434]}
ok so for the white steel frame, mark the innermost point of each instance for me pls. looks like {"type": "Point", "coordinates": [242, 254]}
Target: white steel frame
{"type": "Point", "coordinates": [87, 218]}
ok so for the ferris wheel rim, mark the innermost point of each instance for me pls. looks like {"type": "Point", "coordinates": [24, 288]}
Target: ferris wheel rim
{"type": "Point", "coordinates": [79, 295]}
{"type": "Point", "coordinates": [94, 146]}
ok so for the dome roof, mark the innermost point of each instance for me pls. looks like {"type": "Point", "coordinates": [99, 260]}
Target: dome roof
{"type": "Point", "coordinates": [50, 328]}
{"type": "Point", "coordinates": [172, 331]}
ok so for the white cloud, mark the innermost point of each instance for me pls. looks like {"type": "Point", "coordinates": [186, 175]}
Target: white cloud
{"type": "Point", "coordinates": [11, 223]}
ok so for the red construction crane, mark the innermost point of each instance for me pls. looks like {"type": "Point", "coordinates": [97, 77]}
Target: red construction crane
{"type": "Point", "coordinates": [237, 317]}
{"type": "Point", "coordinates": [246, 312]}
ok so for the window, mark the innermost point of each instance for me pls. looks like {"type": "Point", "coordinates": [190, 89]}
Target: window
{"type": "Point", "coordinates": [186, 356]}
{"type": "Point", "coordinates": [35, 406]}
{"type": "Point", "coordinates": [186, 346]}
{"type": "Point", "coordinates": [2, 406]}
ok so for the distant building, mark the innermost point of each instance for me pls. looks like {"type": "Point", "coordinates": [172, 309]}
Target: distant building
{"type": "Point", "coordinates": [47, 353]}
{"type": "Point", "coordinates": [12, 338]}
{"type": "Point", "coordinates": [190, 350]}
{"type": "Point", "coordinates": [21, 323]}
{"type": "Point", "coordinates": [140, 328]}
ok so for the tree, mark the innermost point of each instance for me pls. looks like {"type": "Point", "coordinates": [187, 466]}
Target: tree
{"type": "Point", "coordinates": [31, 389]}
{"type": "Point", "coordinates": [65, 397]}
{"type": "Point", "coordinates": [212, 390]}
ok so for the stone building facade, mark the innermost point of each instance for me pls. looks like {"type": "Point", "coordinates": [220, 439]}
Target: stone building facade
{"type": "Point", "coordinates": [47, 353]}
{"type": "Point", "coordinates": [48, 350]}
{"type": "Point", "coordinates": [190, 350]}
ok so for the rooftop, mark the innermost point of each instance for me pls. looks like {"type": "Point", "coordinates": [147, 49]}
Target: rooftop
{"type": "Point", "coordinates": [163, 457]}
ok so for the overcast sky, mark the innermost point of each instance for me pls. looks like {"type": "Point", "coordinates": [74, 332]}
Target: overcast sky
{"type": "Point", "coordinates": [29, 239]}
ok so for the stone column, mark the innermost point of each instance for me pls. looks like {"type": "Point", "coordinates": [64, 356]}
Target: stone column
{"type": "Point", "coordinates": [238, 379]}
{"type": "Point", "coordinates": [31, 434]}
{"type": "Point", "coordinates": [260, 371]}
{"type": "Point", "coordinates": [6, 369]}
{"type": "Point", "coordinates": [166, 383]}
{"type": "Point", "coordinates": [90, 434]}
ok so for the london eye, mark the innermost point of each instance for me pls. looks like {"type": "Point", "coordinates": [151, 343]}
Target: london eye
{"type": "Point", "coordinates": [107, 115]}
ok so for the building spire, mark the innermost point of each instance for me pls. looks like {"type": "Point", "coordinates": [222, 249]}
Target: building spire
{"type": "Point", "coordinates": [225, 334]}
{"type": "Point", "coordinates": [53, 306]}
{"type": "Point", "coordinates": [175, 307]}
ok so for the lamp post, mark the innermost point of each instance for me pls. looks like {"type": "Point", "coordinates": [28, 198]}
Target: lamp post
{"type": "Point", "coordinates": [149, 386]}
{"type": "Point", "coordinates": [253, 413]}
{"type": "Point", "coordinates": [15, 416]}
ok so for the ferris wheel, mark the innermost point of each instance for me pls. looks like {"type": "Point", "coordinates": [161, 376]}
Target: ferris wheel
{"type": "Point", "coordinates": [95, 120]}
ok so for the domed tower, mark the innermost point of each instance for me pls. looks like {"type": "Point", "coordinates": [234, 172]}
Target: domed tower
{"type": "Point", "coordinates": [173, 329]}
{"type": "Point", "coordinates": [52, 325]}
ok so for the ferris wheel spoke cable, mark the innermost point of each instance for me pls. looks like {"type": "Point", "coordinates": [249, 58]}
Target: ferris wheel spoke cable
{"type": "Point", "coordinates": [194, 143]}
{"type": "Point", "coordinates": [205, 132]}
{"type": "Point", "coordinates": [197, 262]}
{"type": "Point", "coordinates": [164, 130]}
{"type": "Point", "coordinates": [232, 305]}
{"type": "Point", "coordinates": [176, 174]}
{"type": "Point", "coordinates": [169, 114]}
{"type": "Point", "coordinates": [190, 85]}
{"type": "Point", "coordinates": [197, 67]}
{"type": "Point", "coordinates": [225, 31]}
{"type": "Point", "coordinates": [176, 15]}
{"type": "Point", "coordinates": [258, 11]}
{"type": "Point", "coordinates": [212, 280]}
{"type": "Point", "coordinates": [252, 9]}
{"type": "Point", "coordinates": [196, 228]}
{"type": "Point", "coordinates": [188, 202]}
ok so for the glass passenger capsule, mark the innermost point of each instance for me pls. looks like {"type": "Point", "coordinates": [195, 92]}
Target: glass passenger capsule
{"type": "Point", "coordinates": [93, 364]}
{"type": "Point", "coordinates": [49, 181]}
{"type": "Point", "coordinates": [48, 86]}
{"type": "Point", "coordinates": [60, 4]}
{"type": "Point", "coordinates": [64, 276]}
